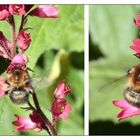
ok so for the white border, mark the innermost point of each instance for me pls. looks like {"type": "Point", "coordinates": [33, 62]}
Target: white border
{"type": "Point", "coordinates": [86, 70]}
{"type": "Point", "coordinates": [71, 2]}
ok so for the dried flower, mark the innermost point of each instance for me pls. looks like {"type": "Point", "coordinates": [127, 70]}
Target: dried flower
{"type": "Point", "coordinates": [23, 40]}
{"type": "Point", "coordinates": [45, 11]}
{"type": "Point", "coordinates": [127, 109]}
{"type": "Point", "coordinates": [62, 90]}
{"type": "Point", "coordinates": [17, 9]}
{"type": "Point", "coordinates": [32, 123]}
{"type": "Point", "coordinates": [136, 47]}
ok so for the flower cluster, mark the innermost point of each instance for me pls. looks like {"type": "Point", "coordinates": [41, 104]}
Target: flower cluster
{"type": "Point", "coordinates": [34, 122]}
{"type": "Point", "coordinates": [60, 108]}
{"type": "Point", "coordinates": [13, 50]}
{"type": "Point", "coordinates": [129, 110]}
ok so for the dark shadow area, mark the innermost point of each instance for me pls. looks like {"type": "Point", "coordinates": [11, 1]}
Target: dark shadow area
{"type": "Point", "coordinates": [110, 128]}
{"type": "Point", "coordinates": [94, 51]}
{"type": "Point", "coordinates": [41, 60]}
{"type": "Point", "coordinates": [77, 59]}
{"type": "Point", "coordinates": [3, 64]}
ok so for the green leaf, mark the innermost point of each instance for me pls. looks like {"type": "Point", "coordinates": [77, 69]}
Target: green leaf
{"type": "Point", "coordinates": [65, 32]}
{"type": "Point", "coordinates": [72, 126]}
{"type": "Point", "coordinates": [112, 28]}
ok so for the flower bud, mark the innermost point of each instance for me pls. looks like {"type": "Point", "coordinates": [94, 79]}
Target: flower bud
{"type": "Point", "coordinates": [62, 90]}
{"type": "Point", "coordinates": [4, 12]}
{"type": "Point", "coordinates": [17, 9]}
{"type": "Point", "coordinates": [23, 40]}
{"type": "Point", "coordinates": [45, 11]}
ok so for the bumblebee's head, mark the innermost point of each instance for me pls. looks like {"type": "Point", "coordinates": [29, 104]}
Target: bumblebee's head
{"type": "Point", "coordinates": [134, 75]}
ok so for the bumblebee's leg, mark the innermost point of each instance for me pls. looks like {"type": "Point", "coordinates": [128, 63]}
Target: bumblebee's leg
{"type": "Point", "coordinates": [28, 108]}
{"type": "Point", "coordinates": [7, 82]}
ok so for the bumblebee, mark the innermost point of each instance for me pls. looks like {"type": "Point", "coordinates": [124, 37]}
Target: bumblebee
{"type": "Point", "coordinates": [20, 86]}
{"type": "Point", "coordinates": [132, 89]}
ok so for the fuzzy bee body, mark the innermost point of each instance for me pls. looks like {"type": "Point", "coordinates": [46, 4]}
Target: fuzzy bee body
{"type": "Point", "coordinates": [19, 96]}
{"type": "Point", "coordinates": [19, 82]}
{"type": "Point", "coordinates": [132, 89]}
{"type": "Point", "coordinates": [132, 96]}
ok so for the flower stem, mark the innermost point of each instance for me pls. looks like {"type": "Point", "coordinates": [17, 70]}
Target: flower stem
{"type": "Point", "coordinates": [22, 23]}
{"type": "Point", "coordinates": [13, 35]}
{"type": "Point", "coordinates": [50, 128]}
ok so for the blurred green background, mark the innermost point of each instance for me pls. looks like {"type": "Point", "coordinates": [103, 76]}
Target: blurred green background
{"type": "Point", "coordinates": [112, 31]}
{"type": "Point", "coordinates": [56, 53]}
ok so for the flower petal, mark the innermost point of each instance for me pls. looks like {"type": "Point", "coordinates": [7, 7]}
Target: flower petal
{"type": "Point", "coordinates": [68, 108]}
{"type": "Point", "coordinates": [19, 60]}
{"type": "Point", "coordinates": [127, 109]}
{"type": "Point", "coordinates": [3, 86]}
{"type": "Point", "coordinates": [128, 113]}
{"type": "Point", "coordinates": [64, 115]}
{"type": "Point", "coordinates": [137, 21]}
{"type": "Point", "coordinates": [62, 90]}
{"type": "Point", "coordinates": [23, 124]}
{"type": "Point", "coordinates": [122, 104]}
{"type": "Point", "coordinates": [4, 12]}
{"type": "Point", "coordinates": [45, 11]}
{"type": "Point", "coordinates": [136, 47]}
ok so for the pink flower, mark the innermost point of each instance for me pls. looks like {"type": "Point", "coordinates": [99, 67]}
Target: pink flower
{"type": "Point", "coordinates": [17, 9]}
{"type": "Point", "coordinates": [62, 90]}
{"type": "Point", "coordinates": [60, 109]}
{"type": "Point", "coordinates": [5, 47]}
{"type": "Point", "coordinates": [4, 12]}
{"type": "Point", "coordinates": [45, 11]}
{"type": "Point", "coordinates": [127, 109]}
{"type": "Point", "coordinates": [19, 60]}
{"type": "Point", "coordinates": [23, 40]}
{"type": "Point", "coordinates": [3, 86]}
{"type": "Point", "coordinates": [137, 21]}
{"type": "Point", "coordinates": [32, 123]}
{"type": "Point", "coordinates": [136, 47]}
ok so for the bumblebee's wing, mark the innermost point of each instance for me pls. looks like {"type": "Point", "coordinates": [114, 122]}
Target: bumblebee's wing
{"type": "Point", "coordinates": [40, 83]}
{"type": "Point", "coordinates": [113, 82]}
